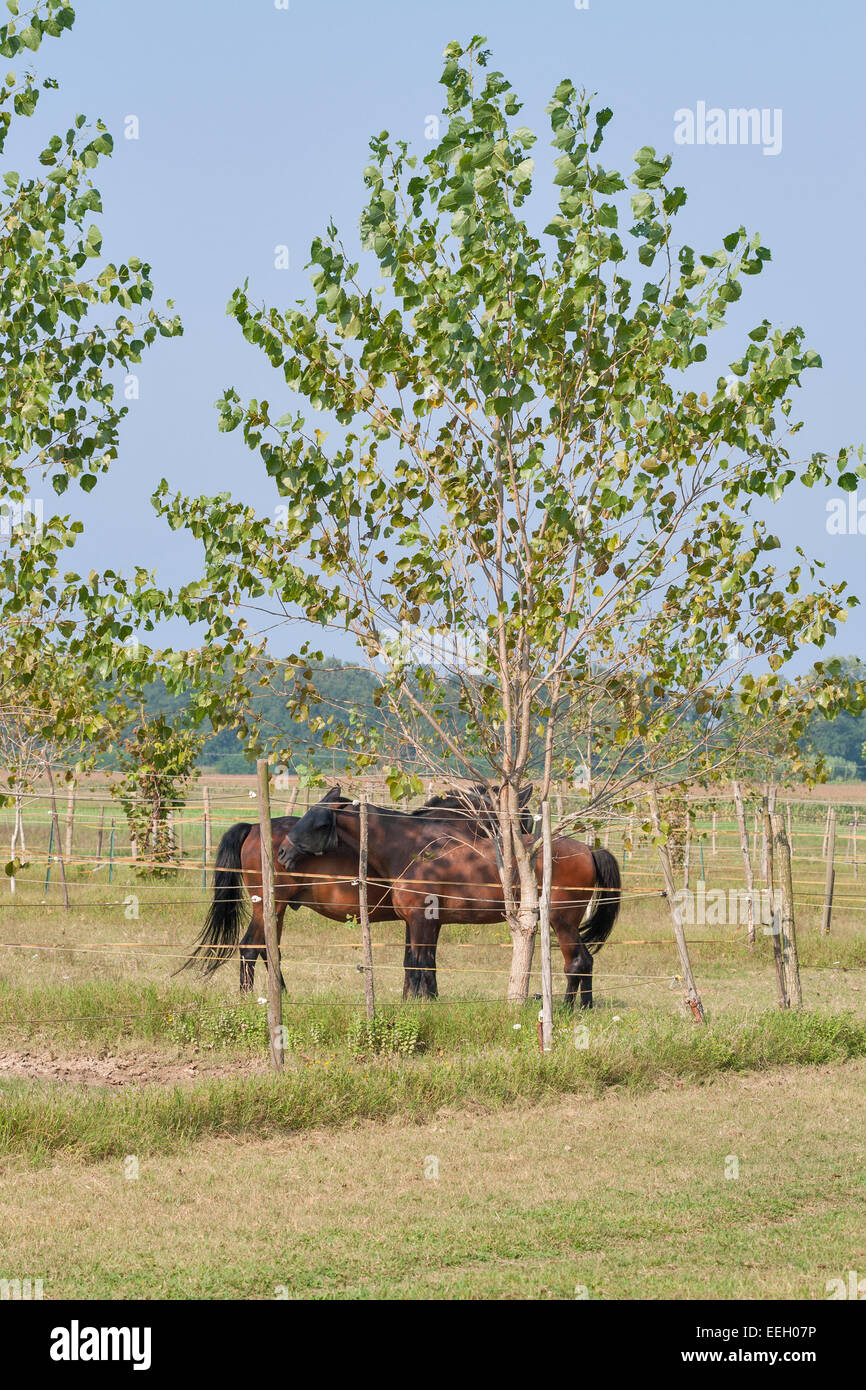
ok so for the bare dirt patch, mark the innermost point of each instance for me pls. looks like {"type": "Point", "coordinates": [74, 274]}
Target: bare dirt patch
{"type": "Point", "coordinates": [121, 1069]}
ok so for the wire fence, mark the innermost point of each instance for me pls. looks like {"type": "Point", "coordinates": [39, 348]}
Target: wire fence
{"type": "Point", "coordinates": [89, 835]}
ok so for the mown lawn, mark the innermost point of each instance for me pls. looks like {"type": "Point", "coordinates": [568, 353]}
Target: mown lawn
{"type": "Point", "coordinates": [620, 1195]}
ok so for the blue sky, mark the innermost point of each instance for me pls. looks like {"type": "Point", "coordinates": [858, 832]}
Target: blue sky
{"type": "Point", "coordinates": [254, 124]}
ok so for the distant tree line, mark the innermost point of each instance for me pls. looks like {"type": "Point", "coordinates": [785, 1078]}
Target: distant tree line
{"type": "Point", "coordinates": [840, 741]}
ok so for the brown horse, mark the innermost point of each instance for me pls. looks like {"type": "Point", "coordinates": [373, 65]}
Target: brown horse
{"type": "Point", "coordinates": [432, 866]}
{"type": "Point", "coordinates": [328, 884]}
{"type": "Point", "coordinates": [447, 872]}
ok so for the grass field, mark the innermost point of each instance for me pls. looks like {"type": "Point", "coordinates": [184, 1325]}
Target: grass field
{"type": "Point", "coordinates": [600, 1167]}
{"type": "Point", "coordinates": [622, 1195]}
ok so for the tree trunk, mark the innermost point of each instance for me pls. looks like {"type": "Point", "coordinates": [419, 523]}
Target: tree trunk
{"type": "Point", "coordinates": [544, 928]}
{"type": "Point", "coordinates": [687, 852]}
{"type": "Point", "coordinates": [523, 917]}
{"type": "Point", "coordinates": [17, 844]}
{"type": "Point", "coordinates": [522, 950]}
{"type": "Point", "coordinates": [693, 998]}
{"type": "Point", "coordinates": [523, 933]}
{"type": "Point", "coordinates": [364, 910]}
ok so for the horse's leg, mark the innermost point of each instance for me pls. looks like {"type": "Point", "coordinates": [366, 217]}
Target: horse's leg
{"type": "Point", "coordinates": [281, 912]}
{"type": "Point", "coordinates": [411, 979]}
{"type": "Point", "coordinates": [419, 960]}
{"type": "Point", "coordinates": [583, 961]}
{"type": "Point", "coordinates": [577, 959]}
{"type": "Point", "coordinates": [252, 947]}
{"type": "Point", "coordinates": [425, 954]}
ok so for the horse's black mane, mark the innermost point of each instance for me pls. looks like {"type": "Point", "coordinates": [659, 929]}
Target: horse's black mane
{"type": "Point", "coordinates": [473, 803]}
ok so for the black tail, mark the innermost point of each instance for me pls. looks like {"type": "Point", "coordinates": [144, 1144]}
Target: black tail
{"type": "Point", "coordinates": [608, 883]}
{"type": "Point", "coordinates": [222, 926]}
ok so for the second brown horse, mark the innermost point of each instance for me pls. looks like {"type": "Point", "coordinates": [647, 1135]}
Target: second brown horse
{"type": "Point", "coordinates": [429, 867]}
{"type": "Point", "coordinates": [329, 886]}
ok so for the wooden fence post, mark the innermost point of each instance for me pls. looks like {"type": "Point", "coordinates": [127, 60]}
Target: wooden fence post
{"type": "Point", "coordinates": [111, 852]}
{"type": "Point", "coordinates": [544, 929]}
{"type": "Point", "coordinates": [70, 821]}
{"type": "Point", "coordinates": [826, 833]}
{"type": "Point", "coordinates": [747, 863]}
{"type": "Point", "coordinates": [55, 825]}
{"type": "Point", "coordinates": [693, 998]}
{"type": "Point", "coordinates": [768, 858]}
{"type": "Point", "coordinates": [48, 856]}
{"type": "Point", "coordinates": [206, 836]}
{"type": "Point", "coordinates": [768, 830]}
{"type": "Point", "coordinates": [830, 878]}
{"type": "Point", "coordinates": [854, 841]}
{"type": "Point", "coordinates": [773, 926]}
{"type": "Point", "coordinates": [205, 793]}
{"type": "Point", "coordinates": [788, 931]}
{"type": "Point", "coordinates": [364, 909]}
{"type": "Point", "coordinates": [269, 917]}
{"type": "Point", "coordinates": [100, 833]}
{"type": "Point", "coordinates": [715, 824]}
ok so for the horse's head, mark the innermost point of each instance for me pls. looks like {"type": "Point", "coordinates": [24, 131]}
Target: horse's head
{"type": "Point", "coordinates": [486, 804]}
{"type": "Point", "coordinates": [315, 833]}
{"type": "Point", "coordinates": [527, 819]}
